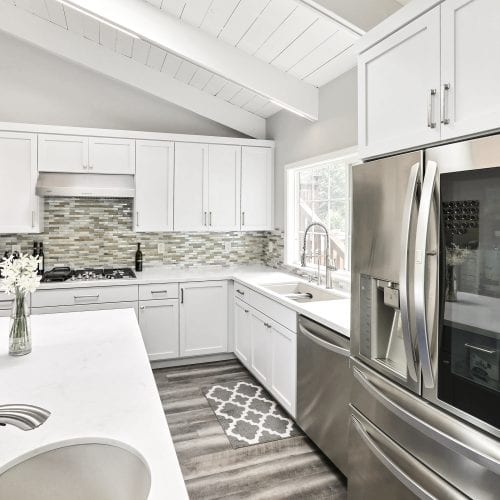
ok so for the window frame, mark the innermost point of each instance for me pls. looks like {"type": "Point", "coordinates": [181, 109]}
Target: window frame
{"type": "Point", "coordinates": [350, 157]}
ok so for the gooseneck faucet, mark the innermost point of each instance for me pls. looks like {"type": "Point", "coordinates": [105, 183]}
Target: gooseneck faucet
{"type": "Point", "coordinates": [328, 268]}
{"type": "Point", "coordinates": [25, 417]}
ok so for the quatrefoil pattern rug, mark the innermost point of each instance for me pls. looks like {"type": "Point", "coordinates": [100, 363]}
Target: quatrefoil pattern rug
{"type": "Point", "coordinates": [248, 414]}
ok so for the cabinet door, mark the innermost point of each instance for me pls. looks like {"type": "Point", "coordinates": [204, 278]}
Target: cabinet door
{"type": "Point", "coordinates": [257, 180]}
{"type": "Point", "coordinates": [20, 209]}
{"type": "Point", "coordinates": [63, 153]}
{"type": "Point", "coordinates": [242, 332]}
{"type": "Point", "coordinates": [159, 322]}
{"type": "Point", "coordinates": [284, 366]}
{"type": "Point", "coordinates": [154, 186]}
{"type": "Point", "coordinates": [224, 172]}
{"type": "Point", "coordinates": [398, 89]}
{"type": "Point", "coordinates": [190, 200]}
{"type": "Point", "coordinates": [261, 347]}
{"type": "Point", "coordinates": [111, 156]}
{"type": "Point", "coordinates": [470, 69]}
{"type": "Point", "coordinates": [203, 318]}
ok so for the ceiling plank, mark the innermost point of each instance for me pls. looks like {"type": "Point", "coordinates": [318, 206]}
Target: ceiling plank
{"type": "Point", "coordinates": [75, 48]}
{"type": "Point", "coordinates": [208, 52]}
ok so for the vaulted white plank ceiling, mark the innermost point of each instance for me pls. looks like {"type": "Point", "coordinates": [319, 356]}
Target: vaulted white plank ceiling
{"type": "Point", "coordinates": [284, 37]}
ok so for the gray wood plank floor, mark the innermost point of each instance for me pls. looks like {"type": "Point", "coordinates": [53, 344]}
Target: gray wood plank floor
{"type": "Point", "coordinates": [290, 468]}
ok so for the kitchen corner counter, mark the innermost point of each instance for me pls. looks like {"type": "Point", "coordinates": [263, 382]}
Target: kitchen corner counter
{"type": "Point", "coordinates": [91, 371]}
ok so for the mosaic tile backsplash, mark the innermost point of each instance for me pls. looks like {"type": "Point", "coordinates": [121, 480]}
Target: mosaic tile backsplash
{"type": "Point", "coordinates": [84, 232]}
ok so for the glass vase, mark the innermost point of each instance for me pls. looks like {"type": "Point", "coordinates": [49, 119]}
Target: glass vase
{"type": "Point", "coordinates": [20, 327]}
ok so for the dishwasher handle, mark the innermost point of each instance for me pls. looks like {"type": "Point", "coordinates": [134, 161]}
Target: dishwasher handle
{"type": "Point", "coordinates": [323, 343]}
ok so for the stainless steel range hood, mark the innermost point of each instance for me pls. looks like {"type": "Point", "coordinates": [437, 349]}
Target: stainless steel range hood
{"type": "Point", "coordinates": [85, 185]}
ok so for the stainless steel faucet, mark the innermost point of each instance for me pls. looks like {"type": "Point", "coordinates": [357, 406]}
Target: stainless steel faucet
{"type": "Point", "coordinates": [25, 417]}
{"type": "Point", "coordinates": [328, 267]}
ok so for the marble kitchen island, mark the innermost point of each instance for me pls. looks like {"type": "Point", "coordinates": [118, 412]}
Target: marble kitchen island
{"type": "Point", "coordinates": [91, 371]}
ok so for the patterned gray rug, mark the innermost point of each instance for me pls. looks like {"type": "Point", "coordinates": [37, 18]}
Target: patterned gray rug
{"type": "Point", "coordinates": [248, 414]}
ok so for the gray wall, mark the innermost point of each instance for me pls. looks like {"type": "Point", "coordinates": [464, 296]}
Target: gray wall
{"type": "Point", "coordinates": [37, 87]}
{"type": "Point", "coordinates": [297, 138]}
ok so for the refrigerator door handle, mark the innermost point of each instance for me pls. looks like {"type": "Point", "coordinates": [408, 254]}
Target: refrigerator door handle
{"type": "Point", "coordinates": [421, 255]}
{"type": "Point", "coordinates": [404, 282]}
{"type": "Point", "coordinates": [435, 424]}
{"type": "Point", "coordinates": [440, 488]}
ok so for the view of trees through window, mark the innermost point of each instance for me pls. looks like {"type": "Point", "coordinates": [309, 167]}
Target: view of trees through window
{"type": "Point", "coordinates": [322, 195]}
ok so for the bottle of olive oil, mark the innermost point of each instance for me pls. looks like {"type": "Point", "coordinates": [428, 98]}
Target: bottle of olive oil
{"type": "Point", "coordinates": [138, 258]}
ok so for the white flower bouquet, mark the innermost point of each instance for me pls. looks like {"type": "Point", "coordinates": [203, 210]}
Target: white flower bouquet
{"type": "Point", "coordinates": [20, 277]}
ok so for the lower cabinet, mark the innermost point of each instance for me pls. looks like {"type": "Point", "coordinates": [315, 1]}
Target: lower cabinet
{"type": "Point", "coordinates": [159, 323]}
{"type": "Point", "coordinates": [242, 339]}
{"type": "Point", "coordinates": [84, 307]}
{"type": "Point", "coordinates": [203, 318]}
{"type": "Point", "coordinates": [260, 330]}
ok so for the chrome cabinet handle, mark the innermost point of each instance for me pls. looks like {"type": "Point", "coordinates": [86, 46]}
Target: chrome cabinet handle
{"type": "Point", "coordinates": [204, 218]}
{"type": "Point", "coordinates": [85, 167]}
{"type": "Point", "coordinates": [240, 291]}
{"type": "Point", "coordinates": [78, 297]}
{"type": "Point", "coordinates": [421, 255]}
{"type": "Point", "coordinates": [182, 295]}
{"type": "Point", "coordinates": [267, 325]}
{"type": "Point", "coordinates": [323, 343]}
{"type": "Point", "coordinates": [247, 310]}
{"type": "Point", "coordinates": [137, 218]}
{"type": "Point", "coordinates": [159, 291]}
{"type": "Point", "coordinates": [209, 218]}
{"type": "Point", "coordinates": [242, 218]}
{"type": "Point", "coordinates": [404, 281]}
{"type": "Point", "coordinates": [371, 437]}
{"type": "Point", "coordinates": [445, 120]}
{"type": "Point", "coordinates": [481, 349]}
{"type": "Point", "coordinates": [142, 308]}
{"type": "Point", "coordinates": [430, 109]}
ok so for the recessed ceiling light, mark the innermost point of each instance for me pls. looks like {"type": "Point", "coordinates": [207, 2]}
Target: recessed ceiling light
{"type": "Point", "coordinates": [97, 18]}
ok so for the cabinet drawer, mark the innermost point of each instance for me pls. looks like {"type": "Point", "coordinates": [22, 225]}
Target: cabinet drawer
{"type": "Point", "coordinates": [159, 291]}
{"type": "Point", "coordinates": [242, 292]}
{"type": "Point", "coordinates": [274, 310]}
{"type": "Point", "coordinates": [84, 295]}
{"type": "Point", "coordinates": [5, 302]}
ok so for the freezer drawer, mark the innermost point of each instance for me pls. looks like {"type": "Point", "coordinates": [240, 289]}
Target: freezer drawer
{"type": "Point", "coordinates": [324, 381]}
{"type": "Point", "coordinates": [379, 469]}
{"type": "Point", "coordinates": [468, 458]}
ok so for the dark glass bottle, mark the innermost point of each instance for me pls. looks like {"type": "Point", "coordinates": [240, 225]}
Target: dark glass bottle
{"type": "Point", "coordinates": [41, 260]}
{"type": "Point", "coordinates": [35, 253]}
{"type": "Point", "coordinates": [138, 258]}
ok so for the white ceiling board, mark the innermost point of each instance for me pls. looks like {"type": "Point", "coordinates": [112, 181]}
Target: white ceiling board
{"type": "Point", "coordinates": [291, 29]}
{"type": "Point", "coordinates": [174, 7]}
{"type": "Point", "coordinates": [268, 110]}
{"type": "Point", "coordinates": [255, 104]}
{"type": "Point", "coordinates": [124, 44]}
{"type": "Point", "coordinates": [91, 28]}
{"type": "Point", "coordinates": [264, 26]}
{"type": "Point", "coordinates": [56, 13]}
{"type": "Point", "coordinates": [214, 85]}
{"type": "Point", "coordinates": [107, 36]}
{"type": "Point", "coordinates": [229, 91]}
{"type": "Point", "coordinates": [171, 64]}
{"type": "Point", "coordinates": [242, 97]}
{"type": "Point", "coordinates": [322, 54]}
{"type": "Point", "coordinates": [314, 36]}
{"type": "Point", "coordinates": [140, 51]}
{"type": "Point", "coordinates": [217, 15]}
{"type": "Point", "coordinates": [195, 10]}
{"type": "Point", "coordinates": [242, 19]}
{"type": "Point", "coordinates": [156, 57]}
{"type": "Point", "coordinates": [333, 68]}
{"type": "Point", "coordinates": [156, 3]}
{"type": "Point", "coordinates": [200, 78]}
{"type": "Point", "coordinates": [74, 47]}
{"type": "Point", "coordinates": [185, 72]}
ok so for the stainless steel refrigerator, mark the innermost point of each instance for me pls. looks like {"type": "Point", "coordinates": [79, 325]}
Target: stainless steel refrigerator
{"type": "Point", "coordinates": [425, 339]}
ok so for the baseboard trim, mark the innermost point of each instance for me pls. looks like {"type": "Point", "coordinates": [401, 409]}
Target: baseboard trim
{"type": "Point", "coordinates": [194, 360]}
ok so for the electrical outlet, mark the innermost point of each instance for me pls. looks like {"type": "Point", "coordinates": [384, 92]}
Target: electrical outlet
{"type": "Point", "coordinates": [161, 248]}
{"type": "Point", "coordinates": [16, 248]}
{"type": "Point", "coordinates": [227, 246]}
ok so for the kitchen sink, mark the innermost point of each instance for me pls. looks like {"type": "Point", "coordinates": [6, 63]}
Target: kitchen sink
{"type": "Point", "coordinates": [302, 292]}
{"type": "Point", "coordinates": [94, 471]}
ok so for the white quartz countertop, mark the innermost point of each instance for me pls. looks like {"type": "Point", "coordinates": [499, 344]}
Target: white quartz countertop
{"type": "Point", "coordinates": [334, 314]}
{"type": "Point", "coordinates": [91, 371]}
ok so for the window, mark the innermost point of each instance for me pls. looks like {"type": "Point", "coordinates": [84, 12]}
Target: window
{"type": "Point", "coordinates": [319, 192]}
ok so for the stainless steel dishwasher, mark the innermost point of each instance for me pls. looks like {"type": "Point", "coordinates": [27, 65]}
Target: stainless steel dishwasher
{"type": "Point", "coordinates": [323, 388]}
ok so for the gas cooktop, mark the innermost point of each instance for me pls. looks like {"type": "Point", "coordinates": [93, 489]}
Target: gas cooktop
{"type": "Point", "coordinates": [87, 274]}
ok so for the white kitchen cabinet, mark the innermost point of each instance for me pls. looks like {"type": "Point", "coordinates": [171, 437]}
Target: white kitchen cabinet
{"type": "Point", "coordinates": [85, 307]}
{"type": "Point", "coordinates": [203, 318]}
{"type": "Point", "coordinates": [284, 366]}
{"type": "Point", "coordinates": [159, 323]}
{"type": "Point", "coordinates": [190, 213]}
{"type": "Point", "coordinates": [242, 332]}
{"type": "Point", "coordinates": [260, 365]}
{"type": "Point", "coordinates": [154, 186]}
{"type": "Point", "coordinates": [63, 153]}
{"type": "Point", "coordinates": [257, 180]}
{"type": "Point", "coordinates": [111, 155]}
{"type": "Point", "coordinates": [470, 71]}
{"type": "Point", "coordinates": [224, 170]}
{"type": "Point", "coordinates": [20, 209]}
{"type": "Point", "coordinates": [80, 154]}
{"type": "Point", "coordinates": [399, 88]}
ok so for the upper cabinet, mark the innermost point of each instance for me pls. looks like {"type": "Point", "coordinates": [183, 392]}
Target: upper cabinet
{"type": "Point", "coordinates": [470, 75]}
{"type": "Point", "coordinates": [20, 208]}
{"type": "Point", "coordinates": [398, 86]}
{"type": "Point", "coordinates": [80, 154]}
{"type": "Point", "coordinates": [154, 186]}
{"type": "Point", "coordinates": [257, 181]}
{"type": "Point", "coordinates": [433, 80]}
